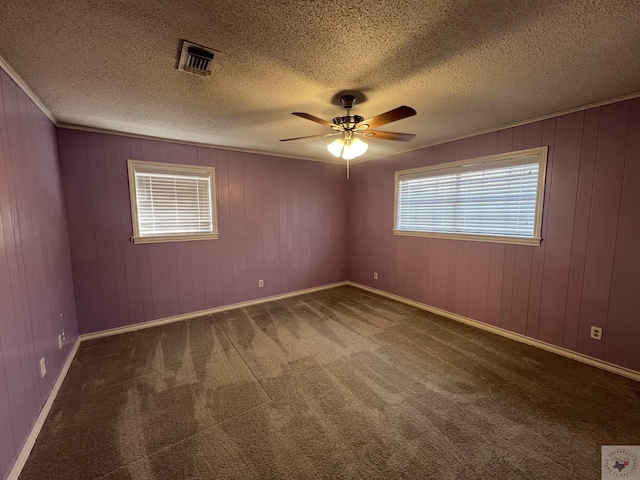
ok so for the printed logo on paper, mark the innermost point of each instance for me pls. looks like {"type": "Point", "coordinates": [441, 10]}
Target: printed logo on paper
{"type": "Point", "coordinates": [621, 461]}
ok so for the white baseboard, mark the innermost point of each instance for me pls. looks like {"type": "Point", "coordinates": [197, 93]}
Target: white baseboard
{"type": "Point", "coordinates": [35, 430]}
{"type": "Point", "coordinates": [200, 313]}
{"type": "Point", "coordinates": [18, 465]}
{"type": "Point", "coordinates": [594, 362]}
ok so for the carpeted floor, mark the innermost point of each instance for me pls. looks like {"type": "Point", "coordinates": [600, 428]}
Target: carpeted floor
{"type": "Point", "coordinates": [336, 384]}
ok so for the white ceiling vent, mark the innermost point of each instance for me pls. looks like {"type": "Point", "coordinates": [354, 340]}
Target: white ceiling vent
{"type": "Point", "coordinates": [196, 59]}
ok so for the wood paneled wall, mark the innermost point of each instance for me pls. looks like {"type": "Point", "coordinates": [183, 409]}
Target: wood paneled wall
{"type": "Point", "coordinates": [35, 269]}
{"type": "Point", "coordinates": [587, 270]}
{"type": "Point", "coordinates": [280, 220]}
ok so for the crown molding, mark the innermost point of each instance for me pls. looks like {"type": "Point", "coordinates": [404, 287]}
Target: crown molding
{"type": "Point", "coordinates": [10, 71]}
{"type": "Point", "coordinates": [560, 113]}
{"type": "Point", "coordinates": [84, 128]}
{"type": "Point", "coordinates": [16, 78]}
{"type": "Point", "coordinates": [356, 161]}
{"type": "Point", "coordinates": [23, 86]}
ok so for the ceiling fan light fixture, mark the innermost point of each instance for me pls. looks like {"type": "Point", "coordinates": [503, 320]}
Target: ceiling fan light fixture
{"type": "Point", "coordinates": [357, 147]}
{"type": "Point", "coordinates": [348, 155]}
{"type": "Point", "coordinates": [347, 148]}
{"type": "Point", "coordinates": [335, 147]}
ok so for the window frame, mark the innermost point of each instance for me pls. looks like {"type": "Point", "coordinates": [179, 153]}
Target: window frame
{"type": "Point", "coordinates": [176, 169]}
{"type": "Point", "coordinates": [541, 152]}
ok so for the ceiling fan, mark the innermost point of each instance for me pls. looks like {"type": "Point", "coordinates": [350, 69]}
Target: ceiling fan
{"type": "Point", "coordinates": [350, 127]}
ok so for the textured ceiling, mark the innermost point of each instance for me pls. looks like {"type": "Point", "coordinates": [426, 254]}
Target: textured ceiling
{"type": "Point", "coordinates": [465, 66]}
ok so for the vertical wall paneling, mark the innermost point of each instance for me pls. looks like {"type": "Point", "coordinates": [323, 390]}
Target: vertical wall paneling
{"type": "Point", "coordinates": [104, 246]}
{"type": "Point", "coordinates": [132, 279]}
{"type": "Point", "coordinates": [603, 223]}
{"type": "Point", "coordinates": [430, 297]}
{"type": "Point", "coordinates": [622, 322]}
{"type": "Point", "coordinates": [119, 231]}
{"type": "Point", "coordinates": [452, 252]}
{"type": "Point", "coordinates": [251, 232]}
{"type": "Point", "coordinates": [269, 239]}
{"type": "Point", "coordinates": [223, 252]}
{"type": "Point", "coordinates": [36, 286]}
{"type": "Point", "coordinates": [582, 214]}
{"type": "Point", "coordinates": [559, 229]}
{"type": "Point", "coordinates": [237, 227]}
{"type": "Point", "coordinates": [206, 252]}
{"type": "Point", "coordinates": [441, 272]}
{"type": "Point", "coordinates": [196, 249]}
{"type": "Point", "coordinates": [461, 293]}
{"type": "Point", "coordinates": [478, 284]}
{"type": "Point", "coordinates": [27, 298]}
{"type": "Point", "coordinates": [522, 136]}
{"type": "Point", "coordinates": [494, 284]}
{"type": "Point", "coordinates": [537, 134]}
{"type": "Point", "coordinates": [15, 357]}
{"type": "Point", "coordinates": [585, 272]}
{"type": "Point", "coordinates": [280, 220]}
{"type": "Point", "coordinates": [521, 289]}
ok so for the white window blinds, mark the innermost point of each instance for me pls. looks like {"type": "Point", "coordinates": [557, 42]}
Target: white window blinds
{"type": "Point", "coordinates": [172, 202]}
{"type": "Point", "coordinates": [496, 197]}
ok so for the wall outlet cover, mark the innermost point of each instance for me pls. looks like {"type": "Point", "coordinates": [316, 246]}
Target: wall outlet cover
{"type": "Point", "coordinates": [596, 333]}
{"type": "Point", "coordinates": [260, 283]}
{"type": "Point", "coordinates": [43, 367]}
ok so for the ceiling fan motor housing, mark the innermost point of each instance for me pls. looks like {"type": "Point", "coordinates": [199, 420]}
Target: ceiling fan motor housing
{"type": "Point", "coordinates": [348, 122]}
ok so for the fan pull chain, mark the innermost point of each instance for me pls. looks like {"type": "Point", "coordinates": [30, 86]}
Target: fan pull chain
{"type": "Point", "coordinates": [347, 169]}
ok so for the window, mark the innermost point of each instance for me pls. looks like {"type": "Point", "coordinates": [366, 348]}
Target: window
{"type": "Point", "coordinates": [172, 203]}
{"type": "Point", "coordinates": [494, 199]}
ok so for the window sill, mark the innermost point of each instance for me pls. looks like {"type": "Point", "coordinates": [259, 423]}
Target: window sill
{"type": "Point", "coordinates": [174, 238]}
{"type": "Point", "coordinates": [531, 241]}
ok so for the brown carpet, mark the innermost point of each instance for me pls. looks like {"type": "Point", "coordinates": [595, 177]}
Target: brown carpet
{"type": "Point", "coordinates": [336, 384]}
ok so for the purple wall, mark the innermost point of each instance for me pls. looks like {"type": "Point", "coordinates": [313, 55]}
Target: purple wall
{"type": "Point", "coordinates": [587, 270]}
{"type": "Point", "coordinates": [280, 220]}
{"type": "Point", "coordinates": [35, 270]}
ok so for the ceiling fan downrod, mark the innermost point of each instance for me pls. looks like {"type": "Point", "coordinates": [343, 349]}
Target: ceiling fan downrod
{"type": "Point", "coordinates": [348, 121]}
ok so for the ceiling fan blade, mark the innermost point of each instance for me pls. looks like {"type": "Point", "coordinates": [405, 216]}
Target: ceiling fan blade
{"type": "Point", "coordinates": [400, 137]}
{"type": "Point", "coordinates": [311, 136]}
{"type": "Point", "coordinates": [390, 116]}
{"type": "Point", "coordinates": [313, 119]}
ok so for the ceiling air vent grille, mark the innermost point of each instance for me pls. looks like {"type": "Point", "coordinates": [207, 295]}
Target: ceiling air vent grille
{"type": "Point", "coordinates": [195, 59]}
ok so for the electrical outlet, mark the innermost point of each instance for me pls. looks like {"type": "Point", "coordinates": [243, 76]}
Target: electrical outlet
{"type": "Point", "coordinates": [375, 275]}
{"type": "Point", "coordinates": [60, 342]}
{"type": "Point", "coordinates": [63, 336]}
{"type": "Point", "coordinates": [260, 283]}
{"type": "Point", "coordinates": [596, 333]}
{"type": "Point", "coordinates": [43, 367]}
